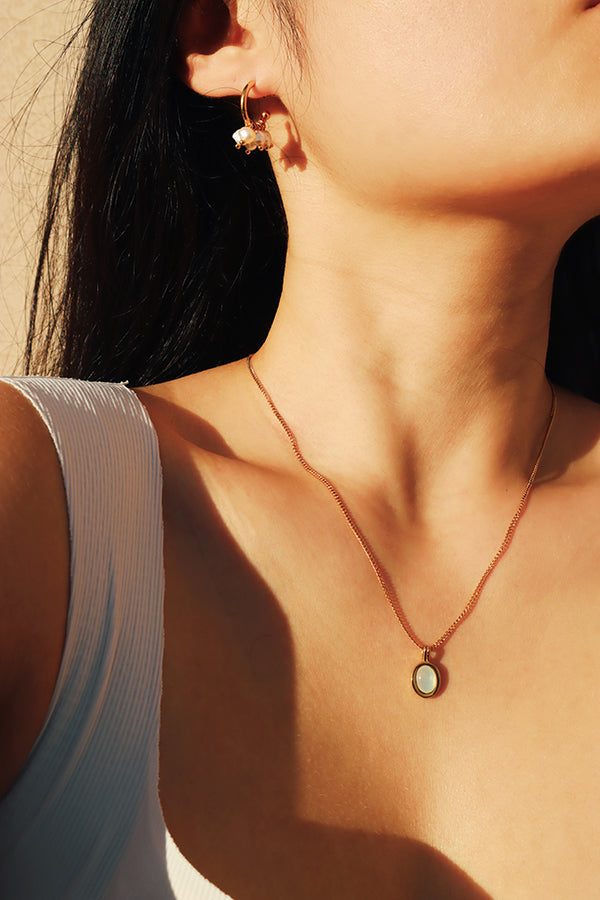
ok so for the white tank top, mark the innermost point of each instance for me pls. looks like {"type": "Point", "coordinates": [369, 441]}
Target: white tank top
{"type": "Point", "coordinates": [83, 819]}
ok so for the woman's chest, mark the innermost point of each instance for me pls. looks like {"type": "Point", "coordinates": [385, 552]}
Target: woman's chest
{"type": "Point", "coordinates": [297, 761]}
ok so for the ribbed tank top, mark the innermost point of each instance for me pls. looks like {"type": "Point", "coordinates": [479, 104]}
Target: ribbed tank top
{"type": "Point", "coordinates": [83, 819]}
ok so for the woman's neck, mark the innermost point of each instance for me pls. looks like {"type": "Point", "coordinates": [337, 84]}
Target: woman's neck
{"type": "Point", "coordinates": [408, 353]}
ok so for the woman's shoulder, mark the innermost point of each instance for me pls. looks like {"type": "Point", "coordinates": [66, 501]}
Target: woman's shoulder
{"type": "Point", "coordinates": [205, 392]}
{"type": "Point", "coordinates": [219, 413]}
{"type": "Point", "coordinates": [34, 567]}
{"type": "Point", "coordinates": [31, 484]}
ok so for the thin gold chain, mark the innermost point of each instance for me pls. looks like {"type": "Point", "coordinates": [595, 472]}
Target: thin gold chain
{"type": "Point", "coordinates": [375, 564]}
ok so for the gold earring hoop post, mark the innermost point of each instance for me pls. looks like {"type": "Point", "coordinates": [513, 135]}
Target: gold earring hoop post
{"type": "Point", "coordinates": [244, 104]}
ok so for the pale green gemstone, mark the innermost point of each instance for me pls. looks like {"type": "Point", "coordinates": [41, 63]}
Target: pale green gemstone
{"type": "Point", "coordinates": [426, 679]}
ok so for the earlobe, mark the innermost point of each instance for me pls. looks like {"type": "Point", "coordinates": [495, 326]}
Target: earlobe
{"type": "Point", "coordinates": [217, 54]}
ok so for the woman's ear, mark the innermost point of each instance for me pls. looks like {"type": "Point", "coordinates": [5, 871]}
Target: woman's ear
{"type": "Point", "coordinates": [222, 45]}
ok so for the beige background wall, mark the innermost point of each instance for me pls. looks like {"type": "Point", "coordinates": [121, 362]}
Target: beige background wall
{"type": "Point", "coordinates": [32, 33]}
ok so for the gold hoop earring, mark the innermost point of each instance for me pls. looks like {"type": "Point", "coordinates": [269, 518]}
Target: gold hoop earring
{"type": "Point", "coordinates": [253, 134]}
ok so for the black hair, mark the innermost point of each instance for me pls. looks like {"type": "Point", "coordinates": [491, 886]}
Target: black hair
{"type": "Point", "coordinates": [573, 358]}
{"type": "Point", "coordinates": [163, 247]}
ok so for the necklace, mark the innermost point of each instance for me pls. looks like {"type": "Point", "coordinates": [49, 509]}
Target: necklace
{"type": "Point", "coordinates": [426, 678]}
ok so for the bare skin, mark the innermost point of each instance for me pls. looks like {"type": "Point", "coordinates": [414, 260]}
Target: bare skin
{"type": "Point", "coordinates": [407, 355]}
{"type": "Point", "coordinates": [288, 715]}
{"type": "Point", "coordinates": [34, 560]}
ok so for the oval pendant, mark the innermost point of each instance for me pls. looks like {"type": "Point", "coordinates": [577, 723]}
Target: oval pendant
{"type": "Point", "coordinates": [426, 678]}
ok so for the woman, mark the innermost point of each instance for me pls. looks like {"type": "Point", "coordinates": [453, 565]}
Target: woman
{"type": "Point", "coordinates": [433, 160]}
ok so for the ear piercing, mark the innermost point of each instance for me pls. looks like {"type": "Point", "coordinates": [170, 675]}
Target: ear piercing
{"type": "Point", "coordinates": [252, 135]}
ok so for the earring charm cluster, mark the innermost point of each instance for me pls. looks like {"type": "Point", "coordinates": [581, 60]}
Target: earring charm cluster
{"type": "Point", "coordinates": [253, 134]}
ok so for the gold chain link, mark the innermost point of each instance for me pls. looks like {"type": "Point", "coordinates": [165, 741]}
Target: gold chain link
{"type": "Point", "coordinates": [368, 550]}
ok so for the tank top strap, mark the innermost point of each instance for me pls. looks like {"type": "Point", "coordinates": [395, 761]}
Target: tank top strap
{"type": "Point", "coordinates": [72, 809]}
